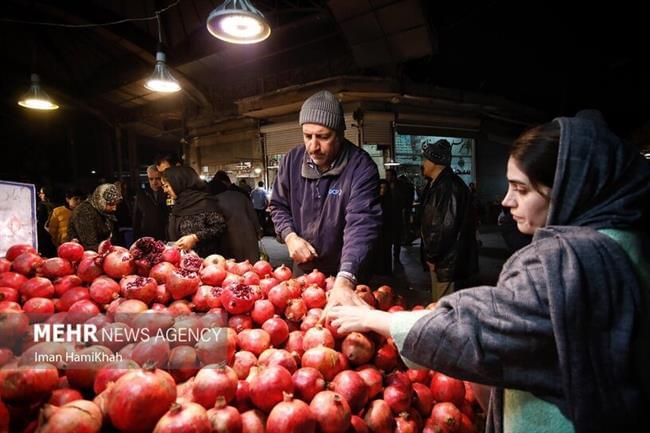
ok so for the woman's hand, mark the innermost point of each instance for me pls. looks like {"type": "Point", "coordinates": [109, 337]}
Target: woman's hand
{"type": "Point", "coordinates": [187, 242]}
{"type": "Point", "coordinates": [348, 319]}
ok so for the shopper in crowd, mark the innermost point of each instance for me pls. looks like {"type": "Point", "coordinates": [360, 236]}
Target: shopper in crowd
{"type": "Point", "coordinates": [401, 195]}
{"type": "Point", "coordinates": [563, 339]}
{"type": "Point", "coordinates": [325, 202]}
{"type": "Point", "coordinates": [447, 227]}
{"type": "Point", "coordinates": [382, 253]}
{"type": "Point", "coordinates": [43, 211]}
{"type": "Point", "coordinates": [124, 215]}
{"type": "Point", "coordinates": [195, 222]}
{"type": "Point", "coordinates": [57, 225]}
{"type": "Point", "coordinates": [163, 162]}
{"type": "Point", "coordinates": [243, 230]}
{"type": "Point", "coordinates": [221, 182]}
{"type": "Point", "coordinates": [94, 219]}
{"type": "Point", "coordinates": [244, 186]}
{"type": "Point", "coordinates": [260, 203]}
{"type": "Point", "coordinates": [150, 210]}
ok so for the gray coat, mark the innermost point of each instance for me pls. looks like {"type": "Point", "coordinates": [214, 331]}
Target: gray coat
{"type": "Point", "coordinates": [243, 228]}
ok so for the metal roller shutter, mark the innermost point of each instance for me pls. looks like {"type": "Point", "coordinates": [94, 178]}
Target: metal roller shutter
{"type": "Point", "coordinates": [281, 137]}
{"type": "Point", "coordinates": [378, 128]}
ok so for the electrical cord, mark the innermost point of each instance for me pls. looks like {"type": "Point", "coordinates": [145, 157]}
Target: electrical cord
{"type": "Point", "coordinates": [156, 16]}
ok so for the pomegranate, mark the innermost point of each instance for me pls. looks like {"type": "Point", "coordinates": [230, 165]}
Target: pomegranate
{"type": "Point", "coordinates": [152, 351]}
{"type": "Point", "coordinates": [422, 399]}
{"type": "Point", "coordinates": [37, 287]}
{"type": "Point", "coordinates": [172, 255]}
{"type": "Point", "coordinates": [56, 267]}
{"type": "Point", "coordinates": [307, 382]}
{"type": "Point", "coordinates": [161, 271]}
{"type": "Point", "coordinates": [262, 311]}
{"type": "Point", "coordinates": [52, 350]}
{"type": "Point", "coordinates": [27, 263]}
{"type": "Point", "coordinates": [205, 298]}
{"type": "Point", "coordinates": [243, 362]}
{"type": "Point", "coordinates": [325, 360]}
{"type": "Point", "coordinates": [81, 416]}
{"type": "Point", "coordinates": [18, 249]}
{"type": "Point", "coordinates": [242, 396]}
{"type": "Point", "coordinates": [294, 343]}
{"type": "Point", "coordinates": [420, 375]}
{"type": "Point", "coordinates": [146, 253]}
{"type": "Point", "coordinates": [267, 284]}
{"type": "Point", "coordinates": [331, 411]}
{"type": "Point", "coordinates": [118, 264]}
{"type": "Point", "coordinates": [278, 357]}
{"type": "Point", "coordinates": [373, 378]}
{"type": "Point", "coordinates": [124, 310]}
{"type": "Point", "coordinates": [180, 307]}
{"type": "Point", "coordinates": [238, 299]}
{"type": "Point", "coordinates": [466, 425]}
{"type": "Point", "coordinates": [115, 336]}
{"type": "Point", "coordinates": [232, 279]}
{"type": "Point", "coordinates": [253, 421]}
{"type": "Point", "coordinates": [263, 268]}
{"type": "Point", "coordinates": [81, 373]}
{"type": "Point", "coordinates": [111, 372]}
{"type": "Point", "coordinates": [358, 425]}
{"type": "Point", "coordinates": [163, 296]}
{"type": "Point", "coordinates": [314, 297]}
{"type": "Point", "coordinates": [28, 383]}
{"type": "Point", "coordinates": [224, 418]}
{"type": "Point", "coordinates": [5, 265]}
{"type": "Point", "coordinates": [88, 269]}
{"type": "Point", "coordinates": [103, 290]}
{"type": "Point", "coordinates": [242, 268]}
{"type": "Point", "coordinates": [12, 279]}
{"type": "Point", "coordinates": [72, 251]}
{"type": "Point", "coordinates": [405, 423]}
{"type": "Point", "coordinates": [466, 409]}
{"type": "Point", "coordinates": [445, 417]}
{"type": "Point", "coordinates": [386, 357]}
{"type": "Point", "coordinates": [186, 417]}
{"type": "Point", "coordinates": [398, 378]}
{"type": "Point", "coordinates": [447, 389]}
{"type": "Point", "coordinates": [379, 417]}
{"type": "Point", "coordinates": [358, 348]}
{"type": "Point", "coordinates": [317, 336]}
{"type": "Point", "coordinates": [398, 398]}
{"type": "Point", "coordinates": [62, 396]}
{"type": "Point", "coordinates": [268, 385]}
{"type": "Point", "coordinates": [315, 277]}
{"type": "Point", "coordinates": [296, 310]}
{"type": "Point", "coordinates": [190, 261]}
{"type": "Point", "coordinates": [254, 340]}
{"type": "Point", "coordinates": [6, 355]}
{"type": "Point", "coordinates": [8, 294]}
{"type": "Point", "coordinates": [136, 287]}
{"type": "Point", "coordinates": [240, 322]}
{"type": "Point", "coordinates": [309, 322]}
{"type": "Point", "coordinates": [213, 275]}
{"type": "Point", "coordinates": [211, 348]}
{"type": "Point", "coordinates": [282, 273]}
{"type": "Point", "coordinates": [182, 283]}
{"type": "Point", "coordinates": [71, 296]}
{"type": "Point", "coordinates": [139, 399]}
{"type": "Point", "coordinates": [352, 387]}
{"type": "Point", "coordinates": [38, 308]}
{"type": "Point", "coordinates": [291, 416]}
{"type": "Point", "coordinates": [277, 329]}
{"type": "Point", "coordinates": [81, 311]}
{"type": "Point", "coordinates": [250, 278]}
{"type": "Point", "coordinates": [212, 381]}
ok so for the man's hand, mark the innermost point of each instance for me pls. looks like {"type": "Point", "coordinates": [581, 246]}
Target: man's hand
{"type": "Point", "coordinates": [347, 319]}
{"type": "Point", "coordinates": [300, 250]}
{"type": "Point", "coordinates": [187, 242]}
{"type": "Point", "coordinates": [342, 294]}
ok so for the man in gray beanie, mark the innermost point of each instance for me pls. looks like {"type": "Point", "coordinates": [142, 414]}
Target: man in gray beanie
{"type": "Point", "coordinates": [325, 202]}
{"type": "Point", "coordinates": [448, 245]}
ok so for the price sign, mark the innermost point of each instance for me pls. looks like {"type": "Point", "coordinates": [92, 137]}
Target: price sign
{"type": "Point", "coordinates": [17, 215]}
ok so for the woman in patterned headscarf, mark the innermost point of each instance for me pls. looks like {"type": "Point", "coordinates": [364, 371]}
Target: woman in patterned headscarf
{"type": "Point", "coordinates": [94, 220]}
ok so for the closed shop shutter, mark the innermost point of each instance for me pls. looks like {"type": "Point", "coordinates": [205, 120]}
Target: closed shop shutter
{"type": "Point", "coordinates": [281, 137]}
{"type": "Point", "coordinates": [351, 129]}
{"type": "Point", "coordinates": [378, 128]}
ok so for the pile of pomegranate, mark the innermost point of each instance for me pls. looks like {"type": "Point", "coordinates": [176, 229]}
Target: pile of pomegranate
{"type": "Point", "coordinates": [274, 367]}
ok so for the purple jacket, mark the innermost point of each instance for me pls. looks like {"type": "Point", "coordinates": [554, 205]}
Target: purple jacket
{"type": "Point", "coordinates": [337, 212]}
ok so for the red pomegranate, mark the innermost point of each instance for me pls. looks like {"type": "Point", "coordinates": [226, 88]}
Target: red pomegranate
{"type": "Point", "coordinates": [317, 336]}
{"type": "Point", "coordinates": [373, 378]}
{"type": "Point", "coordinates": [72, 251]}
{"type": "Point", "coordinates": [263, 268]}
{"type": "Point", "coordinates": [27, 263]}
{"type": "Point", "coordinates": [104, 290]}
{"type": "Point", "coordinates": [316, 277]}
{"type": "Point", "coordinates": [445, 417]}
{"type": "Point", "coordinates": [324, 359]}
{"type": "Point", "coordinates": [12, 279]}
{"type": "Point", "coordinates": [16, 250]}
{"type": "Point", "coordinates": [238, 299]}
{"type": "Point", "coordinates": [422, 399]}
{"type": "Point", "coordinates": [262, 311]}
{"type": "Point", "coordinates": [191, 262]}
{"type": "Point", "coordinates": [358, 348]}
{"type": "Point", "coordinates": [352, 387]}
{"type": "Point", "coordinates": [278, 357]}
{"type": "Point", "coordinates": [253, 421]}
{"type": "Point", "coordinates": [111, 372]}
{"type": "Point", "coordinates": [243, 362]}
{"type": "Point", "coordinates": [184, 417]}
{"type": "Point", "coordinates": [8, 294]}
{"type": "Point", "coordinates": [255, 341]}
{"type": "Point", "coordinates": [279, 296]}
{"type": "Point", "coordinates": [212, 381]}
{"type": "Point", "coordinates": [331, 411]}
{"type": "Point", "coordinates": [224, 418]}
{"type": "Point", "coordinates": [307, 382]}
{"type": "Point", "coordinates": [277, 329]}
{"type": "Point", "coordinates": [78, 416]}
{"type": "Point", "coordinates": [282, 273]}
{"type": "Point", "coordinates": [268, 385]}
{"type": "Point", "coordinates": [291, 416]}
{"type": "Point", "coordinates": [5, 265]}
{"type": "Point", "coordinates": [239, 322]}
{"type": "Point", "coordinates": [161, 271]}
{"type": "Point", "coordinates": [314, 297]}
{"type": "Point", "coordinates": [144, 289]}
{"type": "Point", "coordinates": [62, 285]}
{"type": "Point", "coordinates": [386, 357]}
{"type": "Point", "coordinates": [296, 310]}
{"type": "Point", "coordinates": [62, 396]}
{"type": "Point", "coordinates": [182, 283]}
{"type": "Point", "coordinates": [172, 255]}
{"type": "Point", "coordinates": [213, 275]}
{"type": "Point", "coordinates": [447, 389]}
{"type": "Point", "coordinates": [89, 269]}
{"type": "Point", "coordinates": [294, 343]}
{"type": "Point", "coordinates": [118, 264]}
{"type": "Point", "coordinates": [37, 287]}
{"type": "Point", "coordinates": [267, 284]}
{"type": "Point", "coordinates": [28, 383]}
{"type": "Point", "coordinates": [379, 417]}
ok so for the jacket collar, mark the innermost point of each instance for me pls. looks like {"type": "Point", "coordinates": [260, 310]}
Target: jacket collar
{"type": "Point", "coordinates": [310, 170]}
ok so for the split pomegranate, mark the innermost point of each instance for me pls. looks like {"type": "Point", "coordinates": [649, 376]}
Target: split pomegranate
{"type": "Point", "coordinates": [146, 253]}
{"type": "Point", "coordinates": [136, 287]}
{"type": "Point", "coordinates": [291, 416]}
{"type": "Point", "coordinates": [182, 283]}
{"type": "Point", "coordinates": [238, 299]}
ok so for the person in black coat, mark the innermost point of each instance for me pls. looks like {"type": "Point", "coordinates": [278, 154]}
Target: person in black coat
{"type": "Point", "coordinates": [195, 222]}
{"type": "Point", "coordinates": [150, 209]}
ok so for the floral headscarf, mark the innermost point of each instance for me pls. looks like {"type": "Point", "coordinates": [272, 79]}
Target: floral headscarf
{"type": "Point", "coordinates": [105, 194]}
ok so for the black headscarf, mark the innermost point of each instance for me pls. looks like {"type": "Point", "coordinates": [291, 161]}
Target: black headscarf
{"type": "Point", "coordinates": [191, 195]}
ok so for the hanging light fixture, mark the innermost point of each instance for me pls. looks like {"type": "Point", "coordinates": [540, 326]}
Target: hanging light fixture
{"type": "Point", "coordinates": [161, 80]}
{"type": "Point", "coordinates": [238, 22]}
{"type": "Point", "coordinates": [36, 98]}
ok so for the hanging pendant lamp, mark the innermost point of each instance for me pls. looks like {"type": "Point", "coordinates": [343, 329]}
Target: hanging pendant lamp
{"type": "Point", "coordinates": [36, 98]}
{"type": "Point", "coordinates": [238, 22]}
{"type": "Point", "coordinates": [161, 80]}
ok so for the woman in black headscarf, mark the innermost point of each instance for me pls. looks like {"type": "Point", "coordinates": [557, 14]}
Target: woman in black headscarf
{"type": "Point", "coordinates": [196, 221]}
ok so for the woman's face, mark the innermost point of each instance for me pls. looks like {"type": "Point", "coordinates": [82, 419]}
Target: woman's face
{"type": "Point", "coordinates": [528, 206]}
{"type": "Point", "coordinates": [73, 202]}
{"type": "Point", "coordinates": [41, 194]}
{"type": "Point", "coordinates": [168, 189]}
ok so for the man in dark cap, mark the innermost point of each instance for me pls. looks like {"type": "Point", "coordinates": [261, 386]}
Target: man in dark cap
{"type": "Point", "coordinates": [325, 202]}
{"type": "Point", "coordinates": [448, 245]}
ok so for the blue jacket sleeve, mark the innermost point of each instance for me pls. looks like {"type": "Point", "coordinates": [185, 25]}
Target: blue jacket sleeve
{"type": "Point", "coordinates": [281, 199]}
{"type": "Point", "coordinates": [362, 217]}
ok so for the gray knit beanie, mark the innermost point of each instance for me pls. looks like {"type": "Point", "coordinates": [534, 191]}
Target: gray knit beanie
{"type": "Point", "coordinates": [324, 109]}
